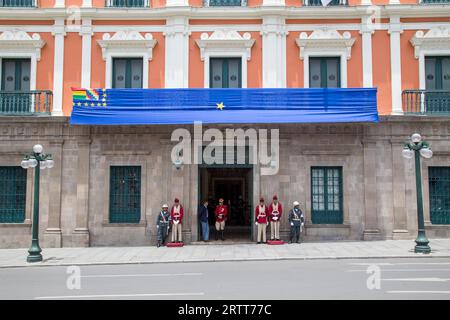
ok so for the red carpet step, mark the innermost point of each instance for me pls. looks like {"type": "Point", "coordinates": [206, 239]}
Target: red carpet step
{"type": "Point", "coordinates": [175, 244]}
{"type": "Point", "coordinates": [275, 242]}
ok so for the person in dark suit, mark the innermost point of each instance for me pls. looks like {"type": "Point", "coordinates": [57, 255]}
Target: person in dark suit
{"type": "Point", "coordinates": [203, 218]}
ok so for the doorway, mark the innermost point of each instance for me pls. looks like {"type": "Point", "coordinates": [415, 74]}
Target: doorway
{"type": "Point", "coordinates": [234, 185]}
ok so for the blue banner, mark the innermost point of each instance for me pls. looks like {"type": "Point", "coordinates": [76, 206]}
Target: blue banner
{"type": "Point", "coordinates": [184, 106]}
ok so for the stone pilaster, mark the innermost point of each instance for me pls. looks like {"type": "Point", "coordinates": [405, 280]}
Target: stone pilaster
{"type": "Point", "coordinates": [177, 52]}
{"type": "Point", "coordinates": [53, 234]}
{"type": "Point", "coordinates": [80, 236]}
{"type": "Point", "coordinates": [371, 228]}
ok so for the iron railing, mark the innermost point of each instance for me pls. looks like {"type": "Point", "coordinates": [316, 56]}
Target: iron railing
{"type": "Point", "coordinates": [435, 1]}
{"type": "Point", "coordinates": [37, 102]}
{"type": "Point", "coordinates": [127, 3]}
{"type": "Point", "coordinates": [225, 3]}
{"type": "Point", "coordinates": [18, 3]}
{"type": "Point", "coordinates": [426, 101]}
{"type": "Point", "coordinates": [314, 3]}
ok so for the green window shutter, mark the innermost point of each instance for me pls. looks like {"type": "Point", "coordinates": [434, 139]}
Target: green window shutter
{"type": "Point", "coordinates": [225, 73]}
{"type": "Point", "coordinates": [224, 3]}
{"type": "Point", "coordinates": [437, 83]}
{"type": "Point", "coordinates": [125, 194]}
{"type": "Point", "coordinates": [127, 73]}
{"type": "Point", "coordinates": [439, 188]}
{"type": "Point", "coordinates": [324, 72]}
{"type": "Point", "coordinates": [326, 195]}
{"type": "Point", "coordinates": [13, 186]}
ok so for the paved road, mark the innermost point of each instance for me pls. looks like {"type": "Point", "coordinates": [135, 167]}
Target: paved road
{"type": "Point", "coordinates": [308, 279]}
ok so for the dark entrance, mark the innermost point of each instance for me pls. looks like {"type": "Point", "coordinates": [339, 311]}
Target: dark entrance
{"type": "Point", "coordinates": [234, 185]}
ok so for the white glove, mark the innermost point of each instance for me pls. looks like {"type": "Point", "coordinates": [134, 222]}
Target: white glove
{"type": "Point", "coordinates": [256, 222]}
{"type": "Point", "coordinates": [292, 224]}
{"type": "Point", "coordinates": [275, 218]}
{"type": "Point", "coordinates": [302, 224]}
{"type": "Point", "coordinates": [157, 226]}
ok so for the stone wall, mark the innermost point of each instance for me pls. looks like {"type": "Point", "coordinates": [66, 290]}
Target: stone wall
{"type": "Point", "coordinates": [378, 184]}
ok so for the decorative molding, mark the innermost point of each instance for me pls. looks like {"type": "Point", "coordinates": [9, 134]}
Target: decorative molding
{"type": "Point", "coordinates": [18, 41]}
{"type": "Point", "coordinates": [126, 41]}
{"type": "Point", "coordinates": [437, 38]}
{"type": "Point", "coordinates": [225, 41]}
{"type": "Point", "coordinates": [326, 40]}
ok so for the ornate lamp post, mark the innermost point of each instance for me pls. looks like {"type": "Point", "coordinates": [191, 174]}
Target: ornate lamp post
{"type": "Point", "coordinates": [417, 148]}
{"type": "Point", "coordinates": [37, 160]}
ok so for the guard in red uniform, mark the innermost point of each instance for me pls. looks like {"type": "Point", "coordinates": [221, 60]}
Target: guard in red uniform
{"type": "Point", "coordinates": [261, 219]}
{"type": "Point", "coordinates": [221, 214]}
{"type": "Point", "coordinates": [176, 214]}
{"type": "Point", "coordinates": [275, 211]}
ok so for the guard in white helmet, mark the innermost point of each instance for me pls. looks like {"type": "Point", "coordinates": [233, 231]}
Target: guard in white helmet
{"type": "Point", "coordinates": [162, 225]}
{"type": "Point", "coordinates": [296, 220]}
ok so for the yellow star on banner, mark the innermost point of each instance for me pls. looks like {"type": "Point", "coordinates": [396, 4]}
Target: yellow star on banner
{"type": "Point", "coordinates": [104, 104]}
{"type": "Point", "coordinates": [86, 104]}
{"type": "Point", "coordinates": [79, 104]}
{"type": "Point", "coordinates": [220, 106]}
{"type": "Point", "coordinates": [92, 104]}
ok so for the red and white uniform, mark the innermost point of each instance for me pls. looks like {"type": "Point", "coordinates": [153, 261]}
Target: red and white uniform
{"type": "Point", "coordinates": [221, 213]}
{"type": "Point", "coordinates": [275, 211]}
{"type": "Point", "coordinates": [261, 214]}
{"type": "Point", "coordinates": [176, 213]}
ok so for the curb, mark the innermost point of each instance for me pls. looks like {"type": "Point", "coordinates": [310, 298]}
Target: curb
{"type": "Point", "coordinates": [302, 258]}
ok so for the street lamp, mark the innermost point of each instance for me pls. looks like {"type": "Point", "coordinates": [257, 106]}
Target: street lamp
{"type": "Point", "coordinates": [38, 161]}
{"type": "Point", "coordinates": [417, 148]}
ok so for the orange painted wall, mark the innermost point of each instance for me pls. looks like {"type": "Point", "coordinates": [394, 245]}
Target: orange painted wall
{"type": "Point", "coordinates": [26, 22]}
{"type": "Point", "coordinates": [381, 69]}
{"type": "Point", "coordinates": [46, 3]}
{"type": "Point", "coordinates": [254, 65]}
{"type": "Point", "coordinates": [354, 65]}
{"type": "Point", "coordinates": [72, 69]}
{"type": "Point", "coordinates": [44, 76]}
{"type": "Point", "coordinates": [410, 65]}
{"type": "Point", "coordinates": [294, 66]}
{"type": "Point", "coordinates": [157, 64]}
{"type": "Point", "coordinates": [128, 22]}
{"type": "Point", "coordinates": [226, 22]}
{"type": "Point", "coordinates": [320, 22]}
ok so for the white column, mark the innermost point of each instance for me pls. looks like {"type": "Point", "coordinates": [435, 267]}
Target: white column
{"type": "Point", "coordinates": [395, 29]}
{"type": "Point", "coordinates": [87, 3]}
{"type": "Point", "coordinates": [177, 52]}
{"type": "Point", "coordinates": [366, 32]}
{"type": "Point", "coordinates": [60, 4]}
{"type": "Point", "coordinates": [58, 67]}
{"type": "Point", "coordinates": [86, 33]}
{"type": "Point", "coordinates": [274, 52]}
{"type": "Point", "coordinates": [273, 2]}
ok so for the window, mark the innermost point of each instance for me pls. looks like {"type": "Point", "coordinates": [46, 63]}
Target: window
{"type": "Point", "coordinates": [127, 3]}
{"type": "Point", "coordinates": [324, 72]}
{"type": "Point", "coordinates": [437, 77]}
{"type": "Point", "coordinates": [125, 194]}
{"type": "Point", "coordinates": [225, 73]}
{"type": "Point", "coordinates": [224, 3]}
{"type": "Point", "coordinates": [326, 193]}
{"type": "Point", "coordinates": [319, 2]}
{"type": "Point", "coordinates": [16, 74]}
{"type": "Point", "coordinates": [17, 3]}
{"type": "Point", "coordinates": [13, 186]}
{"type": "Point", "coordinates": [439, 186]}
{"type": "Point", "coordinates": [127, 73]}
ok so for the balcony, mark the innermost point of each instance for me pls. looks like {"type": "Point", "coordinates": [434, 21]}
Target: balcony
{"type": "Point", "coordinates": [18, 3]}
{"type": "Point", "coordinates": [426, 102]}
{"type": "Point", "coordinates": [127, 3]}
{"type": "Point", "coordinates": [37, 102]}
{"type": "Point", "coordinates": [435, 2]}
{"type": "Point", "coordinates": [225, 3]}
{"type": "Point", "coordinates": [317, 3]}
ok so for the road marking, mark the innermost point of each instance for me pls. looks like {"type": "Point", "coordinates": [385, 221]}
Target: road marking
{"type": "Point", "coordinates": [419, 279]}
{"type": "Point", "coordinates": [123, 295]}
{"type": "Point", "coordinates": [399, 263]}
{"type": "Point", "coordinates": [142, 275]}
{"type": "Point", "coordinates": [442, 292]}
{"type": "Point", "coordinates": [398, 270]}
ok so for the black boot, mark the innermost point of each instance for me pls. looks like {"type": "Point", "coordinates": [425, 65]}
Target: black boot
{"type": "Point", "coordinates": [217, 235]}
{"type": "Point", "coordinates": [221, 236]}
{"type": "Point", "coordinates": [158, 244]}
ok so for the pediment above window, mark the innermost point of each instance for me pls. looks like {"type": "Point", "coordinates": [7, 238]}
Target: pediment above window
{"type": "Point", "coordinates": [127, 42]}
{"type": "Point", "coordinates": [19, 42]}
{"type": "Point", "coordinates": [436, 39]}
{"type": "Point", "coordinates": [225, 41]}
{"type": "Point", "coordinates": [325, 40]}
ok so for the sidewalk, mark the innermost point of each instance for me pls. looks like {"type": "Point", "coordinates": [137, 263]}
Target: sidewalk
{"type": "Point", "coordinates": [236, 252]}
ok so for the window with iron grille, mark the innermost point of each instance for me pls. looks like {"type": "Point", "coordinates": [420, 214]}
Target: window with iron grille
{"type": "Point", "coordinates": [439, 186]}
{"type": "Point", "coordinates": [326, 195]}
{"type": "Point", "coordinates": [125, 194]}
{"type": "Point", "coordinates": [224, 3]}
{"type": "Point", "coordinates": [13, 186]}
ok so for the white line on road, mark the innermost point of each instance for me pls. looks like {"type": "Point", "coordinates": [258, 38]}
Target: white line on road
{"type": "Point", "coordinates": [399, 263]}
{"type": "Point", "coordinates": [419, 279]}
{"type": "Point", "coordinates": [123, 295]}
{"type": "Point", "coordinates": [442, 292]}
{"type": "Point", "coordinates": [142, 275]}
{"type": "Point", "coordinates": [399, 270]}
